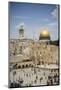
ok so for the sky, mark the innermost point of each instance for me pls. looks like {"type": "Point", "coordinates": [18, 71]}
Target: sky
{"type": "Point", "coordinates": [35, 18]}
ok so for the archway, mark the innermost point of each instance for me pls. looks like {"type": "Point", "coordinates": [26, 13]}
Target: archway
{"type": "Point", "coordinates": [26, 65]}
{"type": "Point", "coordinates": [23, 66]}
{"type": "Point", "coordinates": [19, 67]}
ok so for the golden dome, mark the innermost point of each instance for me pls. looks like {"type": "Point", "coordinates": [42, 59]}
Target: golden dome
{"type": "Point", "coordinates": [44, 35]}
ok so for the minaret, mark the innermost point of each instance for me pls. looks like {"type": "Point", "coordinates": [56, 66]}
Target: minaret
{"type": "Point", "coordinates": [21, 32]}
{"type": "Point", "coordinates": [21, 37]}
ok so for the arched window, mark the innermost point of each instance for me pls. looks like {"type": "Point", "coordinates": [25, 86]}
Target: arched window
{"type": "Point", "coordinates": [26, 65]}
{"type": "Point", "coordinates": [19, 67]}
{"type": "Point", "coordinates": [23, 66]}
{"type": "Point", "coordinates": [42, 63]}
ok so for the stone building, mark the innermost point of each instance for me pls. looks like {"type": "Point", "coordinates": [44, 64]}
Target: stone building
{"type": "Point", "coordinates": [28, 52]}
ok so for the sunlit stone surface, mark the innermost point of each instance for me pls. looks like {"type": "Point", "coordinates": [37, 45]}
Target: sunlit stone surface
{"type": "Point", "coordinates": [41, 69]}
{"type": "Point", "coordinates": [33, 62]}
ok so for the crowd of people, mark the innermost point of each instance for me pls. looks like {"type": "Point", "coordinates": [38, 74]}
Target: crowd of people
{"type": "Point", "coordinates": [33, 76]}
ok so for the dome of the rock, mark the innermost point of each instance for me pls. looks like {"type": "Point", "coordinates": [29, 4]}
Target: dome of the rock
{"type": "Point", "coordinates": [44, 35]}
